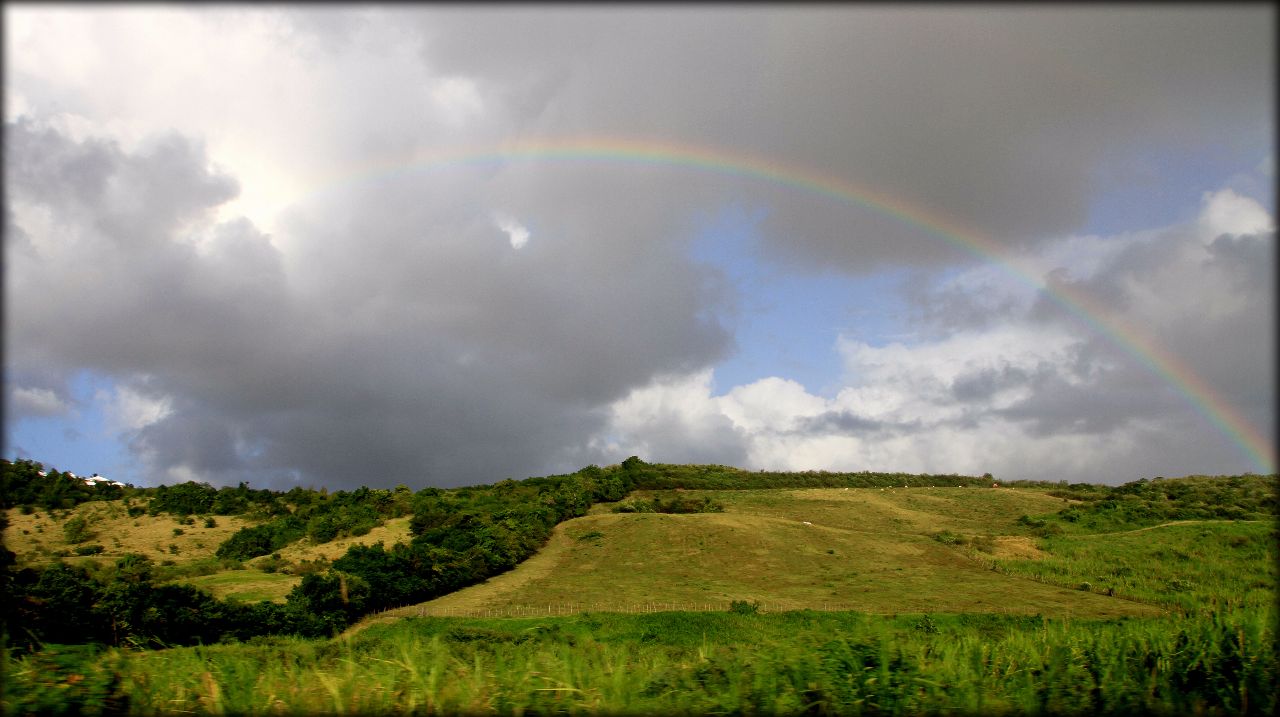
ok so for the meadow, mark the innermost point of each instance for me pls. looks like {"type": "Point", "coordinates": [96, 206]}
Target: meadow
{"type": "Point", "coordinates": [929, 599]}
{"type": "Point", "coordinates": [862, 549]}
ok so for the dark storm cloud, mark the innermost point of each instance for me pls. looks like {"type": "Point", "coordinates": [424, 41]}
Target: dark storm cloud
{"type": "Point", "coordinates": [983, 384]}
{"type": "Point", "coordinates": [1216, 314]}
{"type": "Point", "coordinates": [407, 342]}
{"type": "Point", "coordinates": [996, 120]}
{"type": "Point", "coordinates": [1057, 407]}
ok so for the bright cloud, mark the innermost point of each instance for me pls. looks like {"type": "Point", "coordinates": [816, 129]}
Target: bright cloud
{"type": "Point", "coordinates": [129, 409]}
{"type": "Point", "coordinates": [1226, 212]}
{"type": "Point", "coordinates": [516, 232]}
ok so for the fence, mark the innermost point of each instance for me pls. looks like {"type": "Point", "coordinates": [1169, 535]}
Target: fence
{"type": "Point", "coordinates": [562, 609]}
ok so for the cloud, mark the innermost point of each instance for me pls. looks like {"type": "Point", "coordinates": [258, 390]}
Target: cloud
{"type": "Point", "coordinates": [1226, 212]}
{"type": "Point", "coordinates": [129, 408]}
{"type": "Point", "coordinates": [254, 234]}
{"type": "Point", "coordinates": [458, 99]}
{"type": "Point", "coordinates": [25, 401]}
{"type": "Point", "coordinates": [515, 231]}
{"type": "Point", "coordinates": [1003, 123]}
{"type": "Point", "coordinates": [435, 361]}
{"type": "Point", "coordinates": [1030, 391]}
{"type": "Point", "coordinates": [673, 417]}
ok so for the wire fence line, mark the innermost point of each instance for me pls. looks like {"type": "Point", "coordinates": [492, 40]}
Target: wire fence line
{"type": "Point", "coordinates": [563, 609]}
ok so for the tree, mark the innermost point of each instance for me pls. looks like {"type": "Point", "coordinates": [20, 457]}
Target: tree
{"type": "Point", "coordinates": [76, 530]}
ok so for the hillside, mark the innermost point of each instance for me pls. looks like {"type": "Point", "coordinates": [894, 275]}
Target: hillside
{"type": "Point", "coordinates": [866, 549]}
{"type": "Point", "coordinates": [906, 594]}
{"type": "Point", "coordinates": [184, 548]}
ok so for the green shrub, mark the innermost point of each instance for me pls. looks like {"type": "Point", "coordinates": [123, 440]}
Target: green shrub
{"type": "Point", "coordinates": [742, 607]}
{"type": "Point", "coordinates": [926, 625]}
{"type": "Point", "coordinates": [76, 530]}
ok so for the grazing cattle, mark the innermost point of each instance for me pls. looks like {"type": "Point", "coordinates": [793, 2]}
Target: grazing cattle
{"type": "Point", "coordinates": [806, 522]}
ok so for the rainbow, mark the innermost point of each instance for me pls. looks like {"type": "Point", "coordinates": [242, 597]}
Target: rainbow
{"type": "Point", "coordinates": [1149, 353]}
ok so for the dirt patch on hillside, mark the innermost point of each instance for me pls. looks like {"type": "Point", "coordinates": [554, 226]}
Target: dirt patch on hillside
{"type": "Point", "coordinates": [1016, 547]}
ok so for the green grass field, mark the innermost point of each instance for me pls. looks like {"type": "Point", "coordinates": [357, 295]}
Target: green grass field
{"type": "Point", "coordinates": [246, 585]}
{"type": "Point", "coordinates": [1190, 566]}
{"type": "Point", "coordinates": [861, 549]}
{"type": "Point", "coordinates": [858, 601]}
{"type": "Point", "coordinates": [691, 663]}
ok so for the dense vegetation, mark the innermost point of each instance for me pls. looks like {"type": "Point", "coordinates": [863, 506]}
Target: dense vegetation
{"type": "Point", "coordinates": [666, 476]}
{"type": "Point", "coordinates": [1148, 502]}
{"type": "Point", "coordinates": [21, 484]}
{"type": "Point", "coordinates": [320, 517]}
{"type": "Point", "coordinates": [672, 503]}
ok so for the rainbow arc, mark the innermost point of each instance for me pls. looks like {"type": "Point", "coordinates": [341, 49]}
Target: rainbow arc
{"type": "Point", "coordinates": [1197, 392]}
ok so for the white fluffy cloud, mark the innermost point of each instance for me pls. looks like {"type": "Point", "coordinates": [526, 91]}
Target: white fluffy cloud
{"type": "Point", "coordinates": [127, 408]}
{"type": "Point", "coordinates": [1226, 212]}
{"type": "Point", "coordinates": [516, 232]}
{"type": "Point", "coordinates": [1022, 397]}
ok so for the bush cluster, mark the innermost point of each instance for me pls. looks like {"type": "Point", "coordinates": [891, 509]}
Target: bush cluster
{"type": "Point", "coordinates": [672, 503]}
{"type": "Point", "coordinates": [1149, 502]}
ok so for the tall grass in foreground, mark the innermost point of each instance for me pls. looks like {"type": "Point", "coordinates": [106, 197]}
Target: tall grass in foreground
{"type": "Point", "coordinates": [690, 663]}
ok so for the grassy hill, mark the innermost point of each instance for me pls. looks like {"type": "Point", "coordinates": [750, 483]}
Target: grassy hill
{"type": "Point", "coordinates": [866, 549]}
{"type": "Point", "coordinates": [40, 536]}
{"type": "Point", "coordinates": [1156, 597]}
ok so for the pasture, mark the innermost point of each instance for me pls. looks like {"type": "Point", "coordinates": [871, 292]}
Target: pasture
{"type": "Point", "coordinates": [863, 549]}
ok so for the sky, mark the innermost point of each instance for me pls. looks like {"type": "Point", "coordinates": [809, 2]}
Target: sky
{"type": "Point", "coordinates": [329, 245]}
